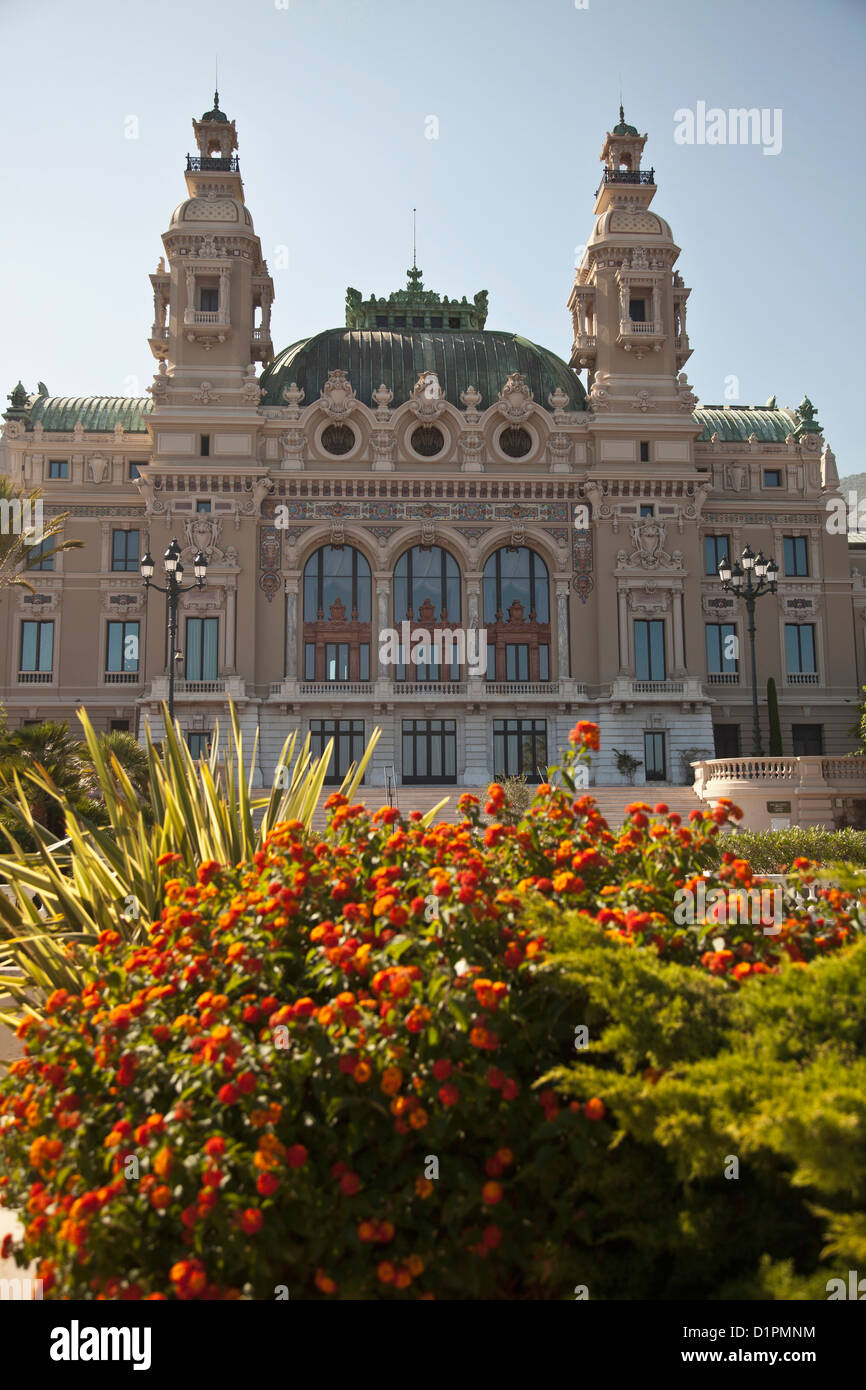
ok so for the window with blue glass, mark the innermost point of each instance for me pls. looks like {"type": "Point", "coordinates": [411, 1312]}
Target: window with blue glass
{"type": "Point", "coordinates": [202, 649]}
{"type": "Point", "coordinates": [800, 649]}
{"type": "Point", "coordinates": [796, 556]}
{"type": "Point", "coordinates": [124, 550]}
{"type": "Point", "coordinates": [649, 649]}
{"type": "Point", "coordinates": [37, 647]}
{"type": "Point", "coordinates": [121, 651]}
{"type": "Point", "coordinates": [716, 549]}
{"type": "Point", "coordinates": [721, 649]}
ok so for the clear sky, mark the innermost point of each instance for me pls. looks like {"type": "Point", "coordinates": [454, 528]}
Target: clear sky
{"type": "Point", "coordinates": [333, 100]}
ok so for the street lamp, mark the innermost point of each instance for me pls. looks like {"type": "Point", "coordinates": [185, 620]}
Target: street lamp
{"type": "Point", "coordinates": [751, 577]}
{"type": "Point", "coordinates": [171, 563]}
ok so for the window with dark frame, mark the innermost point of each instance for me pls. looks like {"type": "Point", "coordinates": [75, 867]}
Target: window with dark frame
{"type": "Point", "coordinates": [37, 647]}
{"type": "Point", "coordinates": [644, 451]}
{"type": "Point", "coordinates": [796, 556]}
{"type": "Point", "coordinates": [800, 649]}
{"type": "Point", "coordinates": [716, 549]}
{"type": "Point", "coordinates": [721, 642]}
{"type": "Point", "coordinates": [124, 551]}
{"type": "Point", "coordinates": [58, 468]}
{"type": "Point", "coordinates": [520, 748]}
{"type": "Point", "coordinates": [772, 477]}
{"type": "Point", "coordinates": [202, 649]}
{"type": "Point", "coordinates": [121, 647]}
{"type": "Point", "coordinates": [649, 649]}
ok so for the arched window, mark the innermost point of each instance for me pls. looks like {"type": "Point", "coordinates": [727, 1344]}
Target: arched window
{"type": "Point", "coordinates": [517, 615]}
{"type": "Point", "coordinates": [427, 598]}
{"type": "Point", "coordinates": [337, 610]}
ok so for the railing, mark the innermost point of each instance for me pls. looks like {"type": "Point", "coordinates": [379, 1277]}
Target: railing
{"type": "Point", "coordinates": [35, 677]}
{"type": "Point", "coordinates": [515, 688]}
{"type": "Point", "coordinates": [752, 770]}
{"type": "Point", "coordinates": [200, 687]}
{"type": "Point", "coordinates": [159, 332]}
{"type": "Point", "coordinates": [802, 678]}
{"type": "Point", "coordinates": [260, 335]}
{"type": "Point", "coordinates": [122, 677]}
{"type": "Point", "coordinates": [681, 342]}
{"type": "Point", "coordinates": [636, 328]}
{"type": "Point", "coordinates": [439, 688]}
{"type": "Point", "coordinates": [333, 688]}
{"type": "Point", "coordinates": [723, 678]}
{"type": "Point", "coordinates": [206, 316]}
{"type": "Point", "coordinates": [204, 164]}
{"type": "Point", "coordinates": [657, 687]}
{"type": "Point", "coordinates": [844, 769]}
{"type": "Point", "coordinates": [586, 340]}
{"type": "Point", "coordinates": [629, 176]}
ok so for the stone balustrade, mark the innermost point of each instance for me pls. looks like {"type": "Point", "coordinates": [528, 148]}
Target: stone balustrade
{"type": "Point", "coordinates": [774, 792]}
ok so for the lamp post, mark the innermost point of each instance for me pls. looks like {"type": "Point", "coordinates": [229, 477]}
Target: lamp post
{"type": "Point", "coordinates": [173, 588]}
{"type": "Point", "coordinates": [750, 578]}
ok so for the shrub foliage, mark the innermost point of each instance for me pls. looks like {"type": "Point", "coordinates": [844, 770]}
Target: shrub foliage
{"type": "Point", "coordinates": [456, 1061]}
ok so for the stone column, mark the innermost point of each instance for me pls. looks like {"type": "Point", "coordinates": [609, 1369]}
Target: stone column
{"type": "Point", "coordinates": [231, 625]}
{"type": "Point", "coordinates": [563, 658]}
{"type": "Point", "coordinates": [291, 592]}
{"type": "Point", "coordinates": [623, 631]}
{"type": "Point", "coordinates": [657, 308]}
{"type": "Point", "coordinates": [224, 295]}
{"type": "Point", "coordinates": [383, 589]}
{"type": "Point", "coordinates": [190, 295]}
{"type": "Point", "coordinates": [679, 649]}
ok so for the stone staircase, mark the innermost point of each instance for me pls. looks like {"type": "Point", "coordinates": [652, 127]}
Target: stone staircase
{"type": "Point", "coordinates": [612, 801]}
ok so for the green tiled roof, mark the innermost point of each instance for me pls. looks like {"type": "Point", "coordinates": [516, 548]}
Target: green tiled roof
{"type": "Point", "coordinates": [98, 414]}
{"type": "Point", "coordinates": [734, 423]}
{"type": "Point", "coordinates": [460, 360]}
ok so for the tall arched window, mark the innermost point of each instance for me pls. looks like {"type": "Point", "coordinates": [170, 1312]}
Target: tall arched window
{"type": "Point", "coordinates": [337, 609]}
{"type": "Point", "coordinates": [427, 597]}
{"type": "Point", "coordinates": [517, 615]}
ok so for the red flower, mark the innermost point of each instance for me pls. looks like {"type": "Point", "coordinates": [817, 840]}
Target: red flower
{"type": "Point", "coordinates": [350, 1183]}
{"type": "Point", "coordinates": [296, 1156]}
{"type": "Point", "coordinates": [594, 1109]}
{"type": "Point", "coordinates": [215, 1146]}
{"type": "Point", "coordinates": [227, 1094]}
{"type": "Point", "coordinates": [449, 1095]}
{"type": "Point", "coordinates": [251, 1220]}
{"type": "Point", "coordinates": [247, 1082]}
{"type": "Point", "coordinates": [442, 1069]}
{"type": "Point", "coordinates": [266, 1184]}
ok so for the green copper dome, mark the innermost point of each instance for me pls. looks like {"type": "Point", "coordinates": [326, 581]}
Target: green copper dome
{"type": "Point", "coordinates": [622, 128]}
{"type": "Point", "coordinates": [216, 114]}
{"type": "Point", "coordinates": [484, 360]}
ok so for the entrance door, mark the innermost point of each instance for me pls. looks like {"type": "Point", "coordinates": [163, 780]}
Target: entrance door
{"type": "Point", "coordinates": [348, 736]}
{"type": "Point", "coordinates": [808, 740]}
{"type": "Point", "coordinates": [726, 738]}
{"type": "Point", "coordinates": [654, 757]}
{"type": "Point", "coordinates": [429, 750]}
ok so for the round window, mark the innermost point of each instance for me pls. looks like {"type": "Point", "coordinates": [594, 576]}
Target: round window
{"type": "Point", "coordinates": [428, 441]}
{"type": "Point", "coordinates": [515, 442]}
{"type": "Point", "coordinates": [338, 439]}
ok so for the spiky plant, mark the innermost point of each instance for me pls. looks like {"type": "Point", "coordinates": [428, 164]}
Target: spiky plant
{"type": "Point", "coordinates": [107, 876]}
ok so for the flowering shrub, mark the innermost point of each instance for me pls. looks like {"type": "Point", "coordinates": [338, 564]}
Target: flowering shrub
{"type": "Point", "coordinates": [326, 1071]}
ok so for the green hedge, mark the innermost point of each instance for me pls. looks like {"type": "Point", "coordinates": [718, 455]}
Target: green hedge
{"type": "Point", "coordinates": [772, 851]}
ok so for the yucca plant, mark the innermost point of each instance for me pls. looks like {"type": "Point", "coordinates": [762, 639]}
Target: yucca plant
{"type": "Point", "coordinates": [101, 877]}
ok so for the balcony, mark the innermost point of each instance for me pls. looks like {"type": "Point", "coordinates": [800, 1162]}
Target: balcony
{"type": "Point", "coordinates": [639, 176]}
{"type": "Point", "coordinates": [802, 678]}
{"type": "Point", "coordinates": [723, 678]}
{"type": "Point", "coordinates": [121, 677]}
{"type": "Point", "coordinates": [212, 164]}
{"type": "Point", "coordinates": [515, 690]}
{"type": "Point", "coordinates": [35, 677]}
{"type": "Point", "coordinates": [334, 690]}
{"type": "Point", "coordinates": [222, 688]}
{"type": "Point", "coordinates": [417, 690]}
{"type": "Point", "coordinates": [640, 337]}
{"type": "Point", "coordinates": [627, 690]}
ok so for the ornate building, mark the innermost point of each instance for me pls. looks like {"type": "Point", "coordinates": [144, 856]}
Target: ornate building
{"type": "Point", "coordinates": [415, 475]}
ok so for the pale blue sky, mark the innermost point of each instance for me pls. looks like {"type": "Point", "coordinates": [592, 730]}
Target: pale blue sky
{"type": "Point", "coordinates": [331, 98]}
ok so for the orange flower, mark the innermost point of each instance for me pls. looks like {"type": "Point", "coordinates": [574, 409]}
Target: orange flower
{"type": "Point", "coordinates": [491, 1193]}
{"type": "Point", "coordinates": [362, 1072]}
{"type": "Point", "coordinates": [594, 1109]}
{"type": "Point", "coordinates": [160, 1198]}
{"type": "Point", "coordinates": [251, 1220]}
{"type": "Point", "coordinates": [392, 1080]}
{"type": "Point", "coordinates": [385, 1272]}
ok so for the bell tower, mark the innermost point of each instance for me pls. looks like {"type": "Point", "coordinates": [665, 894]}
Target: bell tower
{"type": "Point", "coordinates": [628, 304]}
{"type": "Point", "coordinates": [212, 291]}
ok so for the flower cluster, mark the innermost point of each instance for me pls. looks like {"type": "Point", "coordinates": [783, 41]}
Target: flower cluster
{"type": "Point", "coordinates": [304, 1077]}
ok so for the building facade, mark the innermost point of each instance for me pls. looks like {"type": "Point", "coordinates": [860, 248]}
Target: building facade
{"type": "Point", "coordinates": [418, 524]}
